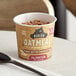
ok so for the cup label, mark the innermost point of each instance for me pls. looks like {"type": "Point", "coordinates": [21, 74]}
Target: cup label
{"type": "Point", "coordinates": [35, 43]}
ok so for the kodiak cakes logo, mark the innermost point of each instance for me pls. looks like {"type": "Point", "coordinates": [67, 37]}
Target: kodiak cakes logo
{"type": "Point", "coordinates": [39, 33]}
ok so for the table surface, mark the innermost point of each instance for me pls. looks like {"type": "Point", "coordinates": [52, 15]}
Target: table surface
{"type": "Point", "coordinates": [63, 60]}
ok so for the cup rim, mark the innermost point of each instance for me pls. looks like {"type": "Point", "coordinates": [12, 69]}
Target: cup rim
{"type": "Point", "coordinates": [55, 19]}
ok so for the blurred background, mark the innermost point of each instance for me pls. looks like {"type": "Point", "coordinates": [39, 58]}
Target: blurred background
{"type": "Point", "coordinates": [64, 10]}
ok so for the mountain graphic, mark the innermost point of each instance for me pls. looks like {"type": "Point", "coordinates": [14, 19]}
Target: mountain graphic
{"type": "Point", "coordinates": [39, 33]}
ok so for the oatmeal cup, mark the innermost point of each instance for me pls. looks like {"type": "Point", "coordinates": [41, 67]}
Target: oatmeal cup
{"type": "Point", "coordinates": [35, 32]}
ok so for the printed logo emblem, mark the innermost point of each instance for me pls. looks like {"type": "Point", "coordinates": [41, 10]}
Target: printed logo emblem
{"type": "Point", "coordinates": [39, 33]}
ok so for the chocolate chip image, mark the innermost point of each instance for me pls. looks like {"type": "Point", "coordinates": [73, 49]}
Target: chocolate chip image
{"type": "Point", "coordinates": [39, 33]}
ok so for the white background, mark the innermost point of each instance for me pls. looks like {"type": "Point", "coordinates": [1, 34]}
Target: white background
{"type": "Point", "coordinates": [71, 26]}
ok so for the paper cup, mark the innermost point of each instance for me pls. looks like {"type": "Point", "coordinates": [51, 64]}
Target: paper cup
{"type": "Point", "coordinates": [35, 41]}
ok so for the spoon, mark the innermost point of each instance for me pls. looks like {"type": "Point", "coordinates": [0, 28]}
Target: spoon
{"type": "Point", "coordinates": [6, 59]}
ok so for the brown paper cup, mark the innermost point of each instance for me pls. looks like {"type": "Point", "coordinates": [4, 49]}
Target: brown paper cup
{"type": "Point", "coordinates": [35, 41]}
